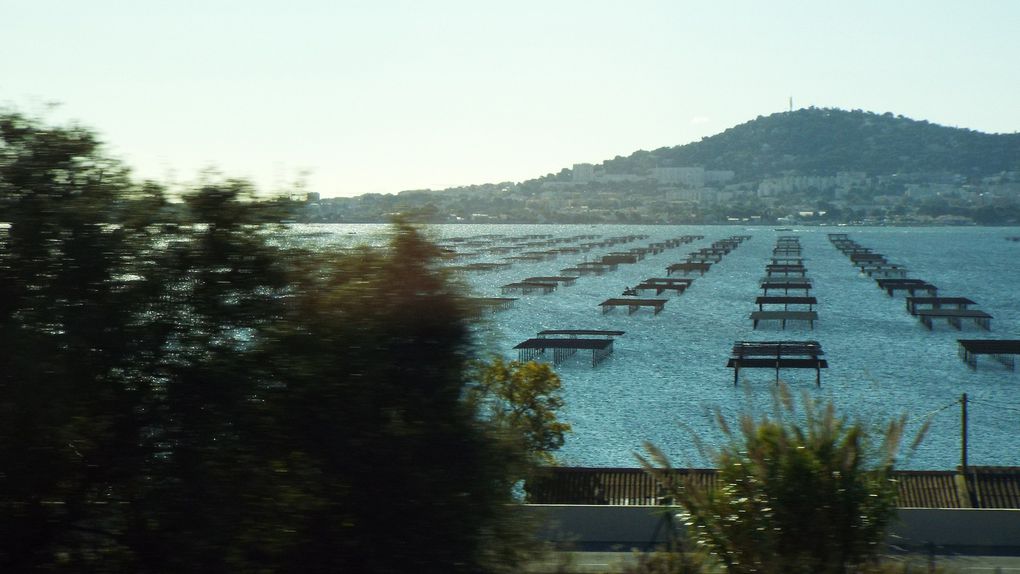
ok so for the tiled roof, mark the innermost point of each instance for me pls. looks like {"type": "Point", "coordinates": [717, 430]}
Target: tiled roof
{"type": "Point", "coordinates": [980, 487]}
{"type": "Point", "coordinates": [995, 486]}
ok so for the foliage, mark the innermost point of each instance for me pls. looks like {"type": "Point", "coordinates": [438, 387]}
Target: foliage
{"type": "Point", "coordinates": [395, 468]}
{"type": "Point", "coordinates": [796, 492]}
{"type": "Point", "coordinates": [909, 565]}
{"type": "Point", "coordinates": [523, 399]}
{"type": "Point", "coordinates": [179, 391]}
{"type": "Point", "coordinates": [819, 141]}
{"type": "Point", "coordinates": [664, 561]}
{"type": "Point", "coordinates": [68, 415]}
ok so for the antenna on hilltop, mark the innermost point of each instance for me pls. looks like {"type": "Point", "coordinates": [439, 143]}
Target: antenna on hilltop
{"type": "Point", "coordinates": [791, 103]}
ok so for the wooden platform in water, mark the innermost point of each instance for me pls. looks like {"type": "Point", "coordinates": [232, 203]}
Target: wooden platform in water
{"type": "Point", "coordinates": [526, 258]}
{"type": "Point", "coordinates": [859, 257]}
{"type": "Point", "coordinates": [877, 265]}
{"type": "Point", "coordinates": [669, 280]}
{"type": "Point", "coordinates": [565, 280]}
{"type": "Point", "coordinates": [491, 304]}
{"type": "Point", "coordinates": [651, 249]}
{"type": "Point", "coordinates": [568, 249]}
{"type": "Point", "coordinates": [636, 252]}
{"type": "Point", "coordinates": [546, 255]}
{"type": "Point", "coordinates": [783, 316]}
{"type": "Point", "coordinates": [850, 248]}
{"type": "Point", "coordinates": [786, 285]}
{"type": "Point", "coordinates": [777, 355]}
{"type": "Point", "coordinates": [868, 260]}
{"type": "Point", "coordinates": [563, 348]}
{"type": "Point", "coordinates": [882, 270]}
{"type": "Point", "coordinates": [786, 251]}
{"type": "Point", "coordinates": [955, 317]}
{"type": "Point", "coordinates": [785, 301]}
{"type": "Point", "coordinates": [848, 244]}
{"type": "Point", "coordinates": [480, 266]}
{"type": "Point", "coordinates": [660, 288]}
{"type": "Point", "coordinates": [617, 258]}
{"type": "Point", "coordinates": [909, 285]}
{"type": "Point", "coordinates": [704, 257]}
{"type": "Point", "coordinates": [784, 260]}
{"type": "Point", "coordinates": [595, 264]}
{"type": "Point", "coordinates": [916, 303]}
{"type": "Point", "coordinates": [585, 270]}
{"type": "Point", "coordinates": [887, 272]}
{"type": "Point", "coordinates": [529, 287]}
{"type": "Point", "coordinates": [581, 332]}
{"type": "Point", "coordinates": [776, 269]}
{"type": "Point", "coordinates": [498, 250]}
{"type": "Point", "coordinates": [719, 248]}
{"type": "Point", "coordinates": [688, 267]}
{"type": "Point", "coordinates": [1002, 350]}
{"type": "Point", "coordinates": [633, 304]}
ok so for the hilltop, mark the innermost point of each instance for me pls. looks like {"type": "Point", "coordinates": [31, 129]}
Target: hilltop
{"type": "Point", "coordinates": [811, 165]}
{"type": "Point", "coordinates": [817, 141]}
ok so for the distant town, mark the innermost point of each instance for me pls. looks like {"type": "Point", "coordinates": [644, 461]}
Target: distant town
{"type": "Point", "coordinates": [694, 195]}
{"type": "Point", "coordinates": [808, 167]}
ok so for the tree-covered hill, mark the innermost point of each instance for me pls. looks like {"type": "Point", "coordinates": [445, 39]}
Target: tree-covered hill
{"type": "Point", "coordinates": [816, 141]}
{"type": "Point", "coordinates": [940, 172]}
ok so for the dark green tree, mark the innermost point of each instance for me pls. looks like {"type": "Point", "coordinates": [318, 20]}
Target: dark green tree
{"type": "Point", "coordinates": [214, 284]}
{"type": "Point", "coordinates": [395, 470]}
{"type": "Point", "coordinates": [183, 390]}
{"type": "Point", "coordinates": [69, 422]}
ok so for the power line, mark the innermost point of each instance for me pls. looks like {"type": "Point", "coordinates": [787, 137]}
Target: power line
{"type": "Point", "coordinates": [994, 405]}
{"type": "Point", "coordinates": [934, 412]}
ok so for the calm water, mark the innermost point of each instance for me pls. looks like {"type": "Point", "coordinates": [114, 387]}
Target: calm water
{"type": "Point", "coordinates": [669, 372]}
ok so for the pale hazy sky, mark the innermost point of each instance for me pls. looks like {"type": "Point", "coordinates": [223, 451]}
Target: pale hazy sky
{"type": "Point", "coordinates": [386, 95]}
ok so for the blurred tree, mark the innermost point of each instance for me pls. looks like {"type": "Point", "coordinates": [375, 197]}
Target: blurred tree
{"type": "Point", "coordinates": [396, 471]}
{"type": "Point", "coordinates": [69, 422]}
{"type": "Point", "coordinates": [180, 390]}
{"type": "Point", "coordinates": [213, 284]}
{"type": "Point", "coordinates": [796, 492]}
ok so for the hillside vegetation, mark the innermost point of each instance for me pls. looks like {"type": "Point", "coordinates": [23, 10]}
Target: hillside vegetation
{"type": "Point", "coordinates": [834, 165]}
{"type": "Point", "coordinates": [816, 141]}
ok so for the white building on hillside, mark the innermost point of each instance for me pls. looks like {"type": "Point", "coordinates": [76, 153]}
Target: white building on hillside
{"type": "Point", "coordinates": [583, 172]}
{"type": "Point", "coordinates": [686, 176]}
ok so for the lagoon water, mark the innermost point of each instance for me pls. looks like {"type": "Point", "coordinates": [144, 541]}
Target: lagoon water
{"type": "Point", "coordinates": [668, 374]}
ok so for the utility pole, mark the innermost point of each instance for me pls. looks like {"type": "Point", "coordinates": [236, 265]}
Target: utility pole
{"type": "Point", "coordinates": [963, 432]}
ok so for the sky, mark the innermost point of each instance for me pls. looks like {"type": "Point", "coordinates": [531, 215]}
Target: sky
{"type": "Point", "coordinates": [349, 97]}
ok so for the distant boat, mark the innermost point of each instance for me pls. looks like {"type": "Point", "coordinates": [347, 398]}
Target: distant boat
{"type": "Point", "coordinates": [784, 229]}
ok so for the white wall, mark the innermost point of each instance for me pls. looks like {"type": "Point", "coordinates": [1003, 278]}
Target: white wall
{"type": "Point", "coordinates": [625, 527]}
